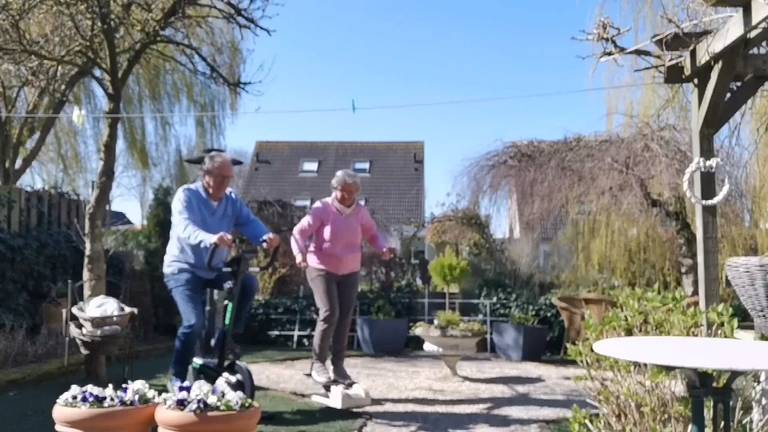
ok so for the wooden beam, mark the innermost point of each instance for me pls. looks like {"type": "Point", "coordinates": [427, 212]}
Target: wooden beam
{"type": "Point", "coordinates": [703, 146]}
{"type": "Point", "coordinates": [714, 92]}
{"type": "Point", "coordinates": [727, 3]}
{"type": "Point", "coordinates": [737, 99]}
{"type": "Point", "coordinates": [747, 66]}
{"type": "Point", "coordinates": [716, 45]}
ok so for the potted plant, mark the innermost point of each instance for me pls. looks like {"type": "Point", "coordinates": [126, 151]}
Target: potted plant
{"type": "Point", "coordinates": [385, 330]}
{"type": "Point", "coordinates": [129, 408]}
{"type": "Point", "coordinates": [382, 333]}
{"type": "Point", "coordinates": [202, 407]}
{"type": "Point", "coordinates": [521, 338]}
{"type": "Point", "coordinates": [590, 297]}
{"type": "Point", "coordinates": [448, 272]}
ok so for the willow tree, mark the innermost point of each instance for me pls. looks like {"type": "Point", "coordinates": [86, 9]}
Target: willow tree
{"type": "Point", "coordinates": [135, 48]}
{"type": "Point", "coordinates": [33, 89]}
{"type": "Point", "coordinates": [636, 174]}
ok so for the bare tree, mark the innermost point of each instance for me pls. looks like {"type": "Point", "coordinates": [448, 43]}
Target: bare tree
{"type": "Point", "coordinates": [635, 173]}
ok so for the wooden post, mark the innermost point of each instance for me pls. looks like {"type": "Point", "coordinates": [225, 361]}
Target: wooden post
{"type": "Point", "coordinates": [34, 210]}
{"type": "Point", "coordinates": [15, 204]}
{"type": "Point", "coordinates": [4, 207]}
{"type": "Point", "coordinates": [724, 76]}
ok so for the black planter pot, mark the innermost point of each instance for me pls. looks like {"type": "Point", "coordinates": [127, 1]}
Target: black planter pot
{"type": "Point", "coordinates": [382, 336]}
{"type": "Point", "coordinates": [519, 342]}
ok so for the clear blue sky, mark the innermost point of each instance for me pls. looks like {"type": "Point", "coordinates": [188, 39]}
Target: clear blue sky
{"type": "Point", "coordinates": [324, 54]}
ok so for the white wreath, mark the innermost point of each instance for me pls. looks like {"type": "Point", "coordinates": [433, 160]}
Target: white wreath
{"type": "Point", "coordinates": [704, 165]}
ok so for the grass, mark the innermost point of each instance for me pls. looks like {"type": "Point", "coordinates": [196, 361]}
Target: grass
{"type": "Point", "coordinates": [27, 406]}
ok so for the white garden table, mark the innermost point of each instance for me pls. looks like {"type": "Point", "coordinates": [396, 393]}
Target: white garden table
{"type": "Point", "coordinates": [696, 358]}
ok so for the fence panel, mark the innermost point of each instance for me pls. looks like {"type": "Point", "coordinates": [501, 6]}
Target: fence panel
{"type": "Point", "coordinates": [22, 210]}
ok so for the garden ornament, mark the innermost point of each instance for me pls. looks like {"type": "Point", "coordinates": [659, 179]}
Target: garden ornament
{"type": "Point", "coordinates": [704, 165]}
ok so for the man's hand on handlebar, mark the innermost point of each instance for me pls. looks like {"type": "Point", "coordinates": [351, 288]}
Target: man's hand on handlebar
{"type": "Point", "coordinates": [272, 241]}
{"type": "Point", "coordinates": [224, 240]}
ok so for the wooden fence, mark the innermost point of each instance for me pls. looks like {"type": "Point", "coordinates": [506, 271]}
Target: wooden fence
{"type": "Point", "coordinates": [22, 210]}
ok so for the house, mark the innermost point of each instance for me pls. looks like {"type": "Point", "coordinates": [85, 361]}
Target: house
{"type": "Point", "coordinates": [392, 176]}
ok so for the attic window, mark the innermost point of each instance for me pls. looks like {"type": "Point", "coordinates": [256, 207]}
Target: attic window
{"type": "Point", "coordinates": [361, 166]}
{"type": "Point", "coordinates": [309, 166]}
{"type": "Point", "coordinates": [302, 202]}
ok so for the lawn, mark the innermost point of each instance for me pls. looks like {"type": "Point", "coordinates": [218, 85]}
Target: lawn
{"type": "Point", "coordinates": [27, 407]}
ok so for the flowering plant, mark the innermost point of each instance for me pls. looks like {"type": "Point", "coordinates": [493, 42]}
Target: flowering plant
{"type": "Point", "coordinates": [201, 396]}
{"type": "Point", "coordinates": [134, 393]}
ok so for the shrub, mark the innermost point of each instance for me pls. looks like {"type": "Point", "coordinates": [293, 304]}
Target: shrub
{"type": "Point", "coordinates": [632, 394]}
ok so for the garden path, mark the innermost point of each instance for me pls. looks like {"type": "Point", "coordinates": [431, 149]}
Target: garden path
{"type": "Point", "coordinates": [417, 393]}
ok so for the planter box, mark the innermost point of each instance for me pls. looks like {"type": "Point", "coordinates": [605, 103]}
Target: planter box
{"type": "Point", "coordinates": [216, 421]}
{"type": "Point", "coordinates": [518, 342]}
{"type": "Point", "coordinates": [126, 419]}
{"type": "Point", "coordinates": [382, 337]}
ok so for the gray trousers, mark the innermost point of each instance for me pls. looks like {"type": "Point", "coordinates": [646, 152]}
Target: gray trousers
{"type": "Point", "coordinates": [335, 300]}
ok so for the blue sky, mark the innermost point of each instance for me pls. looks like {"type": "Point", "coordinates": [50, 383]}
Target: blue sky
{"type": "Point", "coordinates": [324, 54]}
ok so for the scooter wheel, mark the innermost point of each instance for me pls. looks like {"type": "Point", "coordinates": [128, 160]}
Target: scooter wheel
{"type": "Point", "coordinates": [249, 388]}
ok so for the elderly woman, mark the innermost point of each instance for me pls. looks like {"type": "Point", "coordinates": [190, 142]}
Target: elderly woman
{"type": "Point", "coordinates": [328, 244]}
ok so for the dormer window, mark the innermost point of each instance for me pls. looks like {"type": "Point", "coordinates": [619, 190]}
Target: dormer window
{"type": "Point", "coordinates": [361, 167]}
{"type": "Point", "coordinates": [309, 166]}
{"type": "Point", "coordinates": [302, 202]}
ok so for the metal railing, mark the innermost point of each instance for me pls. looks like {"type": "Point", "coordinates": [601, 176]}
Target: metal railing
{"type": "Point", "coordinates": [426, 317]}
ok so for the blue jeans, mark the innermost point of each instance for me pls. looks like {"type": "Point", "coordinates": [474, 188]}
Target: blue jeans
{"type": "Point", "coordinates": [189, 292]}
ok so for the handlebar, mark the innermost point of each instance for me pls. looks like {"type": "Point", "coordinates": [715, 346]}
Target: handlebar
{"type": "Point", "coordinates": [247, 254]}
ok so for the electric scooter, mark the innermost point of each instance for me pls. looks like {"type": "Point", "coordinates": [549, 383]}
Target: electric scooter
{"type": "Point", "coordinates": [219, 359]}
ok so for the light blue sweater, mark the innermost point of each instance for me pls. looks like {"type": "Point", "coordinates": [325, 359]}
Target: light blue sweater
{"type": "Point", "coordinates": [194, 225]}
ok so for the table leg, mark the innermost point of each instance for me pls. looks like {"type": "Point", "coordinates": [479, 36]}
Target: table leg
{"type": "Point", "coordinates": [697, 410]}
{"type": "Point", "coordinates": [700, 387]}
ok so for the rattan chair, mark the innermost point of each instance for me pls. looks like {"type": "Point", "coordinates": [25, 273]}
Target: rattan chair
{"type": "Point", "coordinates": [749, 277]}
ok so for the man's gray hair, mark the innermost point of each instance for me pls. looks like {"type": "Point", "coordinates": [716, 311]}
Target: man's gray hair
{"type": "Point", "coordinates": [213, 160]}
{"type": "Point", "coordinates": [343, 177]}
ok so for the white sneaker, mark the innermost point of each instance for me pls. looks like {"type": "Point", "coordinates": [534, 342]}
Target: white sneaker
{"type": "Point", "coordinates": [341, 375]}
{"type": "Point", "coordinates": [320, 373]}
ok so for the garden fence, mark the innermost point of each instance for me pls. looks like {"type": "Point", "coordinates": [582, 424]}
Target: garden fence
{"type": "Point", "coordinates": [22, 210]}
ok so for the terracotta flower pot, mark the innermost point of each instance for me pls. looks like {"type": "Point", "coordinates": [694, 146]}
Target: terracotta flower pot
{"type": "Point", "coordinates": [125, 419]}
{"type": "Point", "coordinates": [571, 309]}
{"type": "Point", "coordinates": [215, 421]}
{"type": "Point", "coordinates": [597, 305]}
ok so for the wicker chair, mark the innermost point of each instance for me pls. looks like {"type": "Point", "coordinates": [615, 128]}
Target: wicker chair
{"type": "Point", "coordinates": [749, 277]}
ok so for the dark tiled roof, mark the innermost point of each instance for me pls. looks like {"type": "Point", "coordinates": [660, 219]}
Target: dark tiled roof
{"type": "Point", "coordinates": [117, 219]}
{"type": "Point", "coordinates": [394, 191]}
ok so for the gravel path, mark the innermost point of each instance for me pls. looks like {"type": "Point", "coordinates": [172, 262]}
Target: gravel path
{"type": "Point", "coordinates": [418, 393]}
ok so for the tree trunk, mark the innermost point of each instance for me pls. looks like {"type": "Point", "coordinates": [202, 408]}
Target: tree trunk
{"type": "Point", "coordinates": [94, 261]}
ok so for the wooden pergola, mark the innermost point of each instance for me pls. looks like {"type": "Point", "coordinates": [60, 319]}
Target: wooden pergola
{"type": "Point", "coordinates": [726, 68]}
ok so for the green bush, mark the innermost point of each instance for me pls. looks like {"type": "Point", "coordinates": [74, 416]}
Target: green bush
{"type": "Point", "coordinates": [447, 319]}
{"type": "Point", "coordinates": [35, 267]}
{"type": "Point", "coordinates": [387, 288]}
{"type": "Point", "coordinates": [632, 394]}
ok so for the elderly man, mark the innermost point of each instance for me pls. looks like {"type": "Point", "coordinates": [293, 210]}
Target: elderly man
{"type": "Point", "coordinates": [203, 214]}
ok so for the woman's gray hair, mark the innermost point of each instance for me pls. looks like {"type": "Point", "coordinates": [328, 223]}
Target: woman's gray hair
{"type": "Point", "coordinates": [343, 177]}
{"type": "Point", "coordinates": [213, 160]}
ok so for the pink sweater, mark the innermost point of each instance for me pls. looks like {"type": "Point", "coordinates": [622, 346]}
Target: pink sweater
{"type": "Point", "coordinates": [333, 241]}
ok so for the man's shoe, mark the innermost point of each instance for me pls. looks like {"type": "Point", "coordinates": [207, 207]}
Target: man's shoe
{"type": "Point", "coordinates": [320, 374]}
{"type": "Point", "coordinates": [341, 375]}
